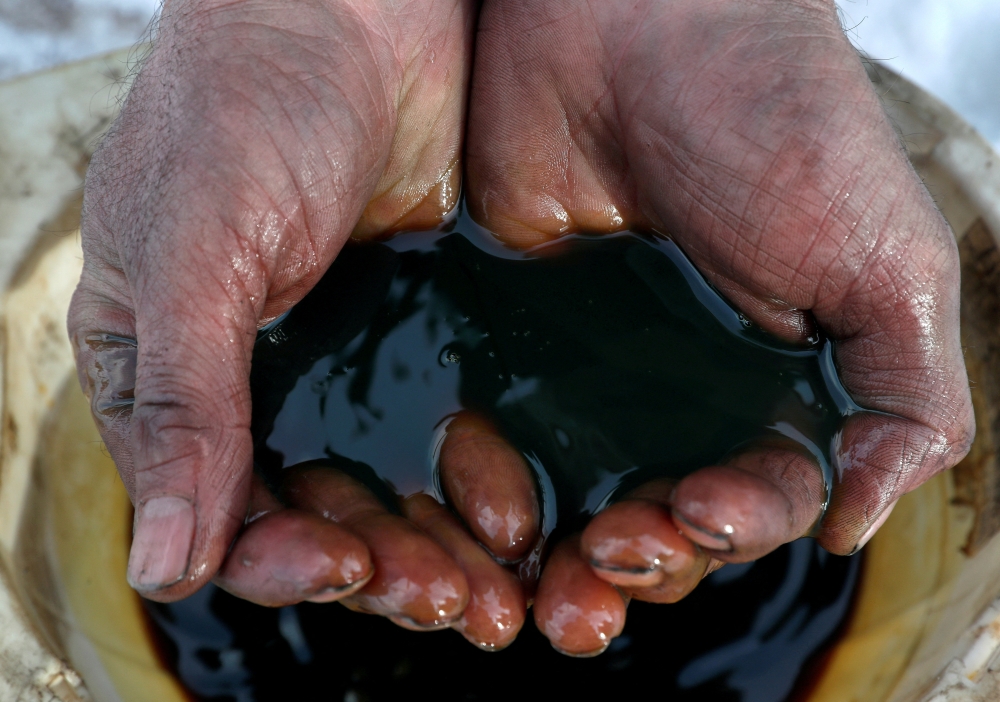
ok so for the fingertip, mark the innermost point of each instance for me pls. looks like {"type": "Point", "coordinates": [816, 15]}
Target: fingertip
{"type": "Point", "coordinates": [290, 556]}
{"type": "Point", "coordinates": [635, 543]}
{"type": "Point", "coordinates": [491, 486]}
{"type": "Point", "coordinates": [417, 584]}
{"type": "Point", "coordinates": [673, 588]}
{"type": "Point", "coordinates": [160, 556]}
{"type": "Point", "coordinates": [496, 609]}
{"type": "Point", "coordinates": [578, 612]}
{"type": "Point", "coordinates": [876, 525]}
{"type": "Point", "coordinates": [876, 457]}
{"type": "Point", "coordinates": [733, 514]}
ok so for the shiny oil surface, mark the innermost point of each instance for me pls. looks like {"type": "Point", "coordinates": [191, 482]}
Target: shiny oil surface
{"type": "Point", "coordinates": [605, 361]}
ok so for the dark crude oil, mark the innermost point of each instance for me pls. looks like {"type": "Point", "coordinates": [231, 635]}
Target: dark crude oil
{"type": "Point", "coordinates": [607, 361]}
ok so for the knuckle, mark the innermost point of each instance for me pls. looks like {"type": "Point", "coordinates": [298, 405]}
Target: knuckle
{"type": "Point", "coordinates": [960, 437]}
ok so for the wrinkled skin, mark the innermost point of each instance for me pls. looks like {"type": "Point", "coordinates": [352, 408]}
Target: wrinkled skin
{"type": "Point", "coordinates": [257, 139]}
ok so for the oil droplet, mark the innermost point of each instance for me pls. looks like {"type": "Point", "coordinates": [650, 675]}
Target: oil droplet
{"type": "Point", "coordinates": [447, 355]}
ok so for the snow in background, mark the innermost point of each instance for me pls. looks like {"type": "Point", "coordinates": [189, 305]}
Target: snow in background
{"type": "Point", "coordinates": [37, 34]}
{"type": "Point", "coordinates": [950, 47]}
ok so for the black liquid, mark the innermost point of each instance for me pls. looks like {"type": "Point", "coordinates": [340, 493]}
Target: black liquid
{"type": "Point", "coordinates": [606, 361]}
{"type": "Point", "coordinates": [749, 633]}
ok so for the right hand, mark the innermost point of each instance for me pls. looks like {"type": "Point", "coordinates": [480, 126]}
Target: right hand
{"type": "Point", "coordinates": [256, 137]}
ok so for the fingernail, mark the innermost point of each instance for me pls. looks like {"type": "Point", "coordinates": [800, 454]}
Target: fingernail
{"type": "Point", "coordinates": [161, 547]}
{"type": "Point", "coordinates": [335, 592]}
{"type": "Point", "coordinates": [414, 625]}
{"type": "Point", "coordinates": [704, 537]}
{"type": "Point", "coordinates": [628, 577]}
{"type": "Point", "coordinates": [713, 565]}
{"type": "Point", "coordinates": [876, 525]}
{"type": "Point", "coordinates": [627, 570]}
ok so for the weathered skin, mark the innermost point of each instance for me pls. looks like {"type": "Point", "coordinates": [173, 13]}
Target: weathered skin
{"type": "Point", "coordinates": [749, 133]}
{"type": "Point", "coordinates": [259, 135]}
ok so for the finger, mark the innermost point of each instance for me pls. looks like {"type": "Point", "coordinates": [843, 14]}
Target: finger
{"type": "Point", "coordinates": [578, 612]}
{"type": "Point", "coordinates": [497, 607]}
{"type": "Point", "coordinates": [867, 485]}
{"type": "Point", "coordinates": [744, 509]}
{"type": "Point", "coordinates": [636, 545]}
{"type": "Point", "coordinates": [180, 435]}
{"type": "Point", "coordinates": [416, 584]}
{"type": "Point", "coordinates": [290, 556]}
{"type": "Point", "coordinates": [490, 485]}
{"type": "Point", "coordinates": [285, 556]}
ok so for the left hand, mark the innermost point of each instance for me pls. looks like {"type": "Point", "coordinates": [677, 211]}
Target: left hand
{"type": "Point", "coordinates": [746, 130]}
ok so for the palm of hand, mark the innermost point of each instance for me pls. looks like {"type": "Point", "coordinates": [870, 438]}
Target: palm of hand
{"type": "Point", "coordinates": [746, 131]}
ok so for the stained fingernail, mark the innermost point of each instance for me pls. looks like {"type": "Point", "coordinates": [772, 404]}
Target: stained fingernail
{"type": "Point", "coordinates": [876, 525]}
{"type": "Point", "coordinates": [705, 538]}
{"type": "Point", "coordinates": [414, 625]}
{"type": "Point", "coordinates": [335, 592]}
{"type": "Point", "coordinates": [161, 547]}
{"type": "Point", "coordinates": [628, 577]}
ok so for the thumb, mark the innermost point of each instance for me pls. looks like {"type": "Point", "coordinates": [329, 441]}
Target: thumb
{"type": "Point", "coordinates": [192, 454]}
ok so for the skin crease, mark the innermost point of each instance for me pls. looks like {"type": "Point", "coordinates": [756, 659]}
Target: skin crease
{"type": "Point", "coordinates": [256, 140]}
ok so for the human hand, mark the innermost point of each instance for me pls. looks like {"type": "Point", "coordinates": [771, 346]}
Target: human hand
{"type": "Point", "coordinates": [748, 132]}
{"type": "Point", "coordinates": [588, 179]}
{"type": "Point", "coordinates": [255, 138]}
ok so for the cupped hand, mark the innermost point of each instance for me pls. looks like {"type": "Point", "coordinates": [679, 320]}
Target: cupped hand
{"type": "Point", "coordinates": [253, 142]}
{"type": "Point", "coordinates": [748, 132]}
{"type": "Point", "coordinates": [257, 137]}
